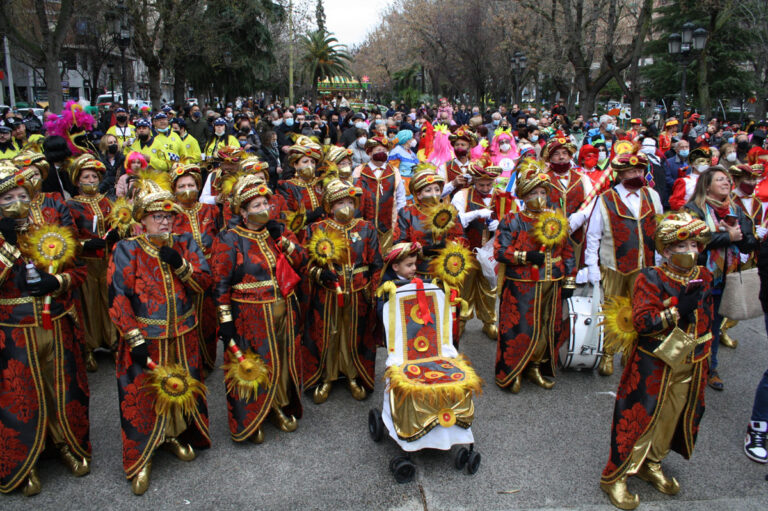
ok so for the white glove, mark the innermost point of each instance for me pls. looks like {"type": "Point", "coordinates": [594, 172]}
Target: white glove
{"type": "Point", "coordinates": [576, 220]}
{"type": "Point", "coordinates": [761, 232]}
{"type": "Point", "coordinates": [582, 275]}
{"type": "Point", "coordinates": [593, 275]}
{"type": "Point", "coordinates": [483, 213]}
{"type": "Point", "coordinates": [743, 258]}
{"type": "Point", "coordinates": [493, 225]}
{"type": "Point", "coordinates": [468, 217]}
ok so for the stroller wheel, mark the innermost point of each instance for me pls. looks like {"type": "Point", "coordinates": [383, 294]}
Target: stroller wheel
{"type": "Point", "coordinates": [375, 425]}
{"type": "Point", "coordinates": [404, 471]}
{"type": "Point", "coordinates": [394, 461]}
{"type": "Point", "coordinates": [461, 458]}
{"type": "Point", "coordinates": [473, 463]}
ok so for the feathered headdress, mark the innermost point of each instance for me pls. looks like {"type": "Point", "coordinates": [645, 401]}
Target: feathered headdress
{"type": "Point", "coordinates": [71, 123]}
{"type": "Point", "coordinates": [442, 150]}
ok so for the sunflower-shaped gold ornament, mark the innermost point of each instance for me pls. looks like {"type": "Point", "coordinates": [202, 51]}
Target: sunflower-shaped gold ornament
{"type": "Point", "coordinates": [440, 219]}
{"type": "Point", "coordinates": [175, 389]}
{"type": "Point", "coordinates": [453, 263]}
{"type": "Point", "coordinates": [121, 217]}
{"type": "Point", "coordinates": [327, 247]}
{"type": "Point", "coordinates": [550, 229]}
{"type": "Point", "coordinates": [245, 373]}
{"type": "Point", "coordinates": [620, 333]}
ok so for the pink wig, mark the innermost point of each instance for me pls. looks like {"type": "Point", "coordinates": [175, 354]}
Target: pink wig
{"type": "Point", "coordinates": [496, 155]}
{"type": "Point", "coordinates": [132, 157]}
{"type": "Point", "coordinates": [71, 121]}
{"type": "Point", "coordinates": [480, 150]}
{"type": "Point", "coordinates": [442, 150]}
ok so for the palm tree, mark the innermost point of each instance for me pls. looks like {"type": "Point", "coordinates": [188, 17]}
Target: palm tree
{"type": "Point", "coordinates": [323, 57]}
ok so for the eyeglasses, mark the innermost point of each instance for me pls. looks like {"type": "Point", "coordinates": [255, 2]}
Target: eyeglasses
{"type": "Point", "coordinates": [162, 217]}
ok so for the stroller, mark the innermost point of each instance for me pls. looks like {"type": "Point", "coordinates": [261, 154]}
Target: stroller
{"type": "Point", "coordinates": [428, 399]}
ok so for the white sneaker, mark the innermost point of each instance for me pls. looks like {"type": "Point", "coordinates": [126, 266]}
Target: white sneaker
{"type": "Point", "coordinates": [755, 442]}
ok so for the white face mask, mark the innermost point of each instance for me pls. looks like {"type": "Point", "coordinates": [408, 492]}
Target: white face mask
{"type": "Point", "coordinates": [534, 138]}
{"type": "Point", "coordinates": [361, 141]}
{"type": "Point", "coordinates": [730, 157]}
{"type": "Point", "coordinates": [601, 155]}
{"type": "Point", "coordinates": [504, 147]}
{"type": "Point", "coordinates": [701, 168]}
{"type": "Point", "coordinates": [413, 143]}
{"type": "Point", "coordinates": [647, 149]}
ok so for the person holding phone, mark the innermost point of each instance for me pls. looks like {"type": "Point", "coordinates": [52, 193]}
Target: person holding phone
{"type": "Point", "coordinates": [732, 234]}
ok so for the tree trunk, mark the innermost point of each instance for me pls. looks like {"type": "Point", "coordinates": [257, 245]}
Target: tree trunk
{"type": "Point", "coordinates": [53, 83]}
{"type": "Point", "coordinates": [587, 101]}
{"type": "Point", "coordinates": [179, 85]}
{"type": "Point", "coordinates": [702, 73]}
{"type": "Point", "coordinates": [155, 92]}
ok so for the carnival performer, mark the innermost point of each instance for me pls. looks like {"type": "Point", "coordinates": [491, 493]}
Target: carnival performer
{"type": "Point", "coordinates": [258, 315]}
{"type": "Point", "coordinates": [45, 207]}
{"type": "Point", "coordinates": [300, 192]}
{"type": "Point", "coordinates": [44, 396]}
{"type": "Point", "coordinates": [153, 279]}
{"type": "Point", "coordinates": [90, 210]}
{"type": "Point", "coordinates": [588, 160]}
{"type": "Point", "coordinates": [428, 220]}
{"type": "Point", "coordinates": [660, 399]}
{"type": "Point", "coordinates": [620, 234]}
{"type": "Point", "coordinates": [201, 221]}
{"type": "Point", "coordinates": [384, 187]}
{"type": "Point", "coordinates": [456, 172]}
{"type": "Point", "coordinates": [344, 262]}
{"type": "Point", "coordinates": [477, 213]}
{"type": "Point", "coordinates": [504, 153]}
{"type": "Point", "coordinates": [538, 273]}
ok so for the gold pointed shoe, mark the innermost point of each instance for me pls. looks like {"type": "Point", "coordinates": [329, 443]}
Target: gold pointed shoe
{"type": "Point", "coordinates": [257, 437]}
{"type": "Point", "coordinates": [357, 391]}
{"type": "Point", "coordinates": [534, 376]}
{"type": "Point", "coordinates": [728, 341]}
{"type": "Point", "coordinates": [322, 392]}
{"type": "Point", "coordinates": [491, 332]}
{"type": "Point", "coordinates": [651, 472]}
{"type": "Point", "coordinates": [140, 482]}
{"type": "Point", "coordinates": [606, 365]}
{"type": "Point", "coordinates": [183, 452]}
{"type": "Point", "coordinates": [516, 384]}
{"type": "Point", "coordinates": [90, 363]}
{"type": "Point", "coordinates": [32, 486]}
{"type": "Point", "coordinates": [282, 422]}
{"type": "Point", "coordinates": [619, 494]}
{"type": "Point", "coordinates": [79, 467]}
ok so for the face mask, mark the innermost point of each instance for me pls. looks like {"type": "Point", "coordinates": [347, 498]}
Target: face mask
{"type": "Point", "coordinates": [15, 209]}
{"type": "Point", "coordinates": [344, 214]}
{"type": "Point", "coordinates": [731, 140]}
{"type": "Point", "coordinates": [460, 152]}
{"type": "Point", "coordinates": [684, 260]}
{"type": "Point", "coordinates": [278, 122]}
{"type": "Point", "coordinates": [601, 155]}
{"type": "Point", "coordinates": [307, 172]}
{"type": "Point", "coordinates": [633, 183]}
{"type": "Point", "coordinates": [229, 115]}
{"type": "Point", "coordinates": [496, 122]}
{"type": "Point", "coordinates": [360, 125]}
{"type": "Point", "coordinates": [647, 149]}
{"type": "Point", "coordinates": [533, 138]}
{"type": "Point", "coordinates": [504, 147]}
{"type": "Point", "coordinates": [684, 153]}
{"type": "Point", "coordinates": [610, 128]}
{"type": "Point", "coordinates": [730, 157]}
{"type": "Point", "coordinates": [413, 144]}
{"type": "Point", "coordinates": [429, 200]}
{"type": "Point", "coordinates": [121, 118]}
{"type": "Point", "coordinates": [196, 115]}
{"type": "Point", "coordinates": [37, 184]}
{"type": "Point", "coordinates": [701, 168]}
{"type": "Point", "coordinates": [590, 161]}
{"type": "Point", "coordinates": [89, 188]}
{"type": "Point", "coordinates": [259, 217]}
{"type": "Point", "coordinates": [144, 137]}
{"type": "Point", "coordinates": [112, 148]}
{"type": "Point", "coordinates": [187, 196]}
{"type": "Point", "coordinates": [418, 125]}
{"type": "Point", "coordinates": [560, 167]}
{"type": "Point", "coordinates": [345, 172]}
{"type": "Point", "coordinates": [743, 146]}
{"type": "Point", "coordinates": [379, 122]}
{"type": "Point", "coordinates": [164, 131]}
{"type": "Point", "coordinates": [536, 204]}
{"type": "Point", "coordinates": [160, 240]}
{"type": "Point", "coordinates": [747, 188]}
{"type": "Point", "coordinates": [243, 142]}
{"type": "Point", "coordinates": [379, 157]}
{"type": "Point", "coordinates": [289, 122]}
{"type": "Point", "coordinates": [608, 144]}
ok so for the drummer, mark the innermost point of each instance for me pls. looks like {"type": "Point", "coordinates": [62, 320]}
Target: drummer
{"type": "Point", "coordinates": [620, 233]}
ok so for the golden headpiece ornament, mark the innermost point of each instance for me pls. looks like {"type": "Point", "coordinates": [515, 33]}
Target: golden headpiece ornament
{"type": "Point", "coordinates": [85, 161]}
{"type": "Point", "coordinates": [675, 227]}
{"type": "Point", "coordinates": [247, 188]}
{"type": "Point", "coordinates": [304, 146]}
{"type": "Point", "coordinates": [11, 177]}
{"type": "Point", "coordinates": [337, 190]}
{"type": "Point", "coordinates": [153, 195]}
{"type": "Point", "coordinates": [30, 158]}
{"type": "Point", "coordinates": [180, 170]}
{"type": "Point", "coordinates": [530, 174]}
{"type": "Point", "coordinates": [744, 170]}
{"type": "Point", "coordinates": [424, 174]}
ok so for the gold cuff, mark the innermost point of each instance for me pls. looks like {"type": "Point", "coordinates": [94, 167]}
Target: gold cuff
{"type": "Point", "coordinates": [287, 246]}
{"type": "Point", "coordinates": [133, 337]}
{"type": "Point", "coordinates": [64, 280]}
{"type": "Point", "coordinates": [669, 317]}
{"type": "Point", "coordinates": [184, 271]}
{"type": "Point", "coordinates": [9, 254]}
{"type": "Point", "coordinates": [224, 313]}
{"type": "Point", "coordinates": [520, 257]}
{"type": "Point", "coordinates": [569, 283]}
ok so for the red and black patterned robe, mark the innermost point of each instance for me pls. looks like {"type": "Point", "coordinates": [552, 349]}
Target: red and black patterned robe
{"type": "Point", "coordinates": [643, 384]}
{"type": "Point", "coordinates": [244, 267]}
{"type": "Point", "coordinates": [379, 207]}
{"type": "Point", "coordinates": [298, 193]}
{"type": "Point", "coordinates": [278, 212]}
{"type": "Point", "coordinates": [24, 413]}
{"type": "Point", "coordinates": [200, 220]}
{"type": "Point", "coordinates": [477, 230]}
{"type": "Point", "coordinates": [521, 310]}
{"type": "Point", "coordinates": [146, 293]}
{"type": "Point", "coordinates": [569, 198]}
{"type": "Point", "coordinates": [412, 226]}
{"type": "Point", "coordinates": [357, 277]}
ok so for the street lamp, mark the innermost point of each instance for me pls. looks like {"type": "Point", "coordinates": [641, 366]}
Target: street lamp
{"type": "Point", "coordinates": [122, 32]}
{"type": "Point", "coordinates": [684, 45]}
{"type": "Point", "coordinates": [518, 62]}
{"type": "Point", "coordinates": [111, 66]}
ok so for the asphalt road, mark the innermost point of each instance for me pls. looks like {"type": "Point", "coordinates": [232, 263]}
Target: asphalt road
{"type": "Point", "coordinates": [540, 450]}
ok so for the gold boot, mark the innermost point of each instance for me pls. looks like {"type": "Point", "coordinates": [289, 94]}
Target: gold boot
{"type": "Point", "coordinates": [183, 452]}
{"type": "Point", "coordinates": [322, 392]}
{"type": "Point", "coordinates": [491, 332]}
{"type": "Point", "coordinates": [357, 391]}
{"type": "Point", "coordinates": [282, 422]}
{"type": "Point", "coordinates": [606, 365]}
{"type": "Point", "coordinates": [725, 339]}
{"type": "Point", "coordinates": [90, 362]}
{"type": "Point", "coordinates": [140, 482]}
{"type": "Point", "coordinates": [515, 387]}
{"type": "Point", "coordinates": [619, 494]}
{"type": "Point", "coordinates": [32, 485]}
{"type": "Point", "coordinates": [651, 472]}
{"type": "Point", "coordinates": [78, 467]}
{"type": "Point", "coordinates": [257, 437]}
{"type": "Point", "coordinates": [462, 324]}
{"type": "Point", "coordinates": [533, 373]}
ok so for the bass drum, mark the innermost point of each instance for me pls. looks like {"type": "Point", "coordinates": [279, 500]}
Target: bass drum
{"type": "Point", "coordinates": [579, 352]}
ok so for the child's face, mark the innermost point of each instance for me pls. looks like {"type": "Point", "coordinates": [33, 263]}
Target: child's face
{"type": "Point", "coordinates": [406, 268]}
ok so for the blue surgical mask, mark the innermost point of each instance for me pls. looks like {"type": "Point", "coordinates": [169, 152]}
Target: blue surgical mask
{"type": "Point", "coordinates": [608, 144]}
{"type": "Point", "coordinates": [289, 121]}
{"type": "Point", "coordinates": [731, 140]}
{"type": "Point", "coordinates": [534, 138]}
{"type": "Point", "coordinates": [164, 131]}
{"type": "Point", "coordinates": [610, 127]}
{"type": "Point", "coordinates": [496, 122]}
{"type": "Point", "coordinates": [360, 125]}
{"type": "Point", "coordinates": [196, 115]}
{"type": "Point", "coordinates": [684, 153]}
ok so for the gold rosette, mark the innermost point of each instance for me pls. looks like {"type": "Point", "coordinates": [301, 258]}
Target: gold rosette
{"type": "Point", "coordinates": [49, 246]}
{"type": "Point", "coordinates": [550, 229]}
{"type": "Point", "coordinates": [327, 247]}
{"type": "Point", "coordinates": [294, 220]}
{"type": "Point", "coordinates": [440, 218]}
{"type": "Point", "coordinates": [452, 264]}
{"type": "Point", "coordinates": [121, 217]}
{"type": "Point", "coordinates": [175, 389]}
{"type": "Point", "coordinates": [243, 377]}
{"type": "Point", "coordinates": [620, 333]}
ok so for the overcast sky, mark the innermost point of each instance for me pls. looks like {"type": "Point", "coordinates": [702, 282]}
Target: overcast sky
{"type": "Point", "coordinates": [351, 20]}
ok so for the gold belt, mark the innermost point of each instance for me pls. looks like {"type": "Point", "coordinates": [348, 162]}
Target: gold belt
{"type": "Point", "coordinates": [361, 269]}
{"type": "Point", "coordinates": [163, 322]}
{"type": "Point", "coordinates": [244, 286]}
{"type": "Point", "coordinates": [17, 301]}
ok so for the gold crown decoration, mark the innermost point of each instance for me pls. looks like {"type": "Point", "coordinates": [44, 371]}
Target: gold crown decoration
{"type": "Point", "coordinates": [29, 157]}
{"type": "Point", "coordinates": [252, 164]}
{"type": "Point", "coordinates": [424, 174]}
{"type": "Point", "coordinates": [627, 161]}
{"type": "Point", "coordinates": [152, 198]}
{"type": "Point", "coordinates": [304, 146]}
{"type": "Point", "coordinates": [530, 174]}
{"type": "Point", "coordinates": [336, 190]}
{"type": "Point", "coordinates": [181, 169]}
{"type": "Point", "coordinates": [675, 227]}
{"type": "Point", "coordinates": [555, 143]}
{"type": "Point", "coordinates": [246, 188]}
{"type": "Point", "coordinates": [744, 170]}
{"type": "Point", "coordinates": [85, 161]}
{"type": "Point", "coordinates": [334, 154]}
{"type": "Point", "coordinates": [463, 133]}
{"type": "Point", "coordinates": [12, 177]}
